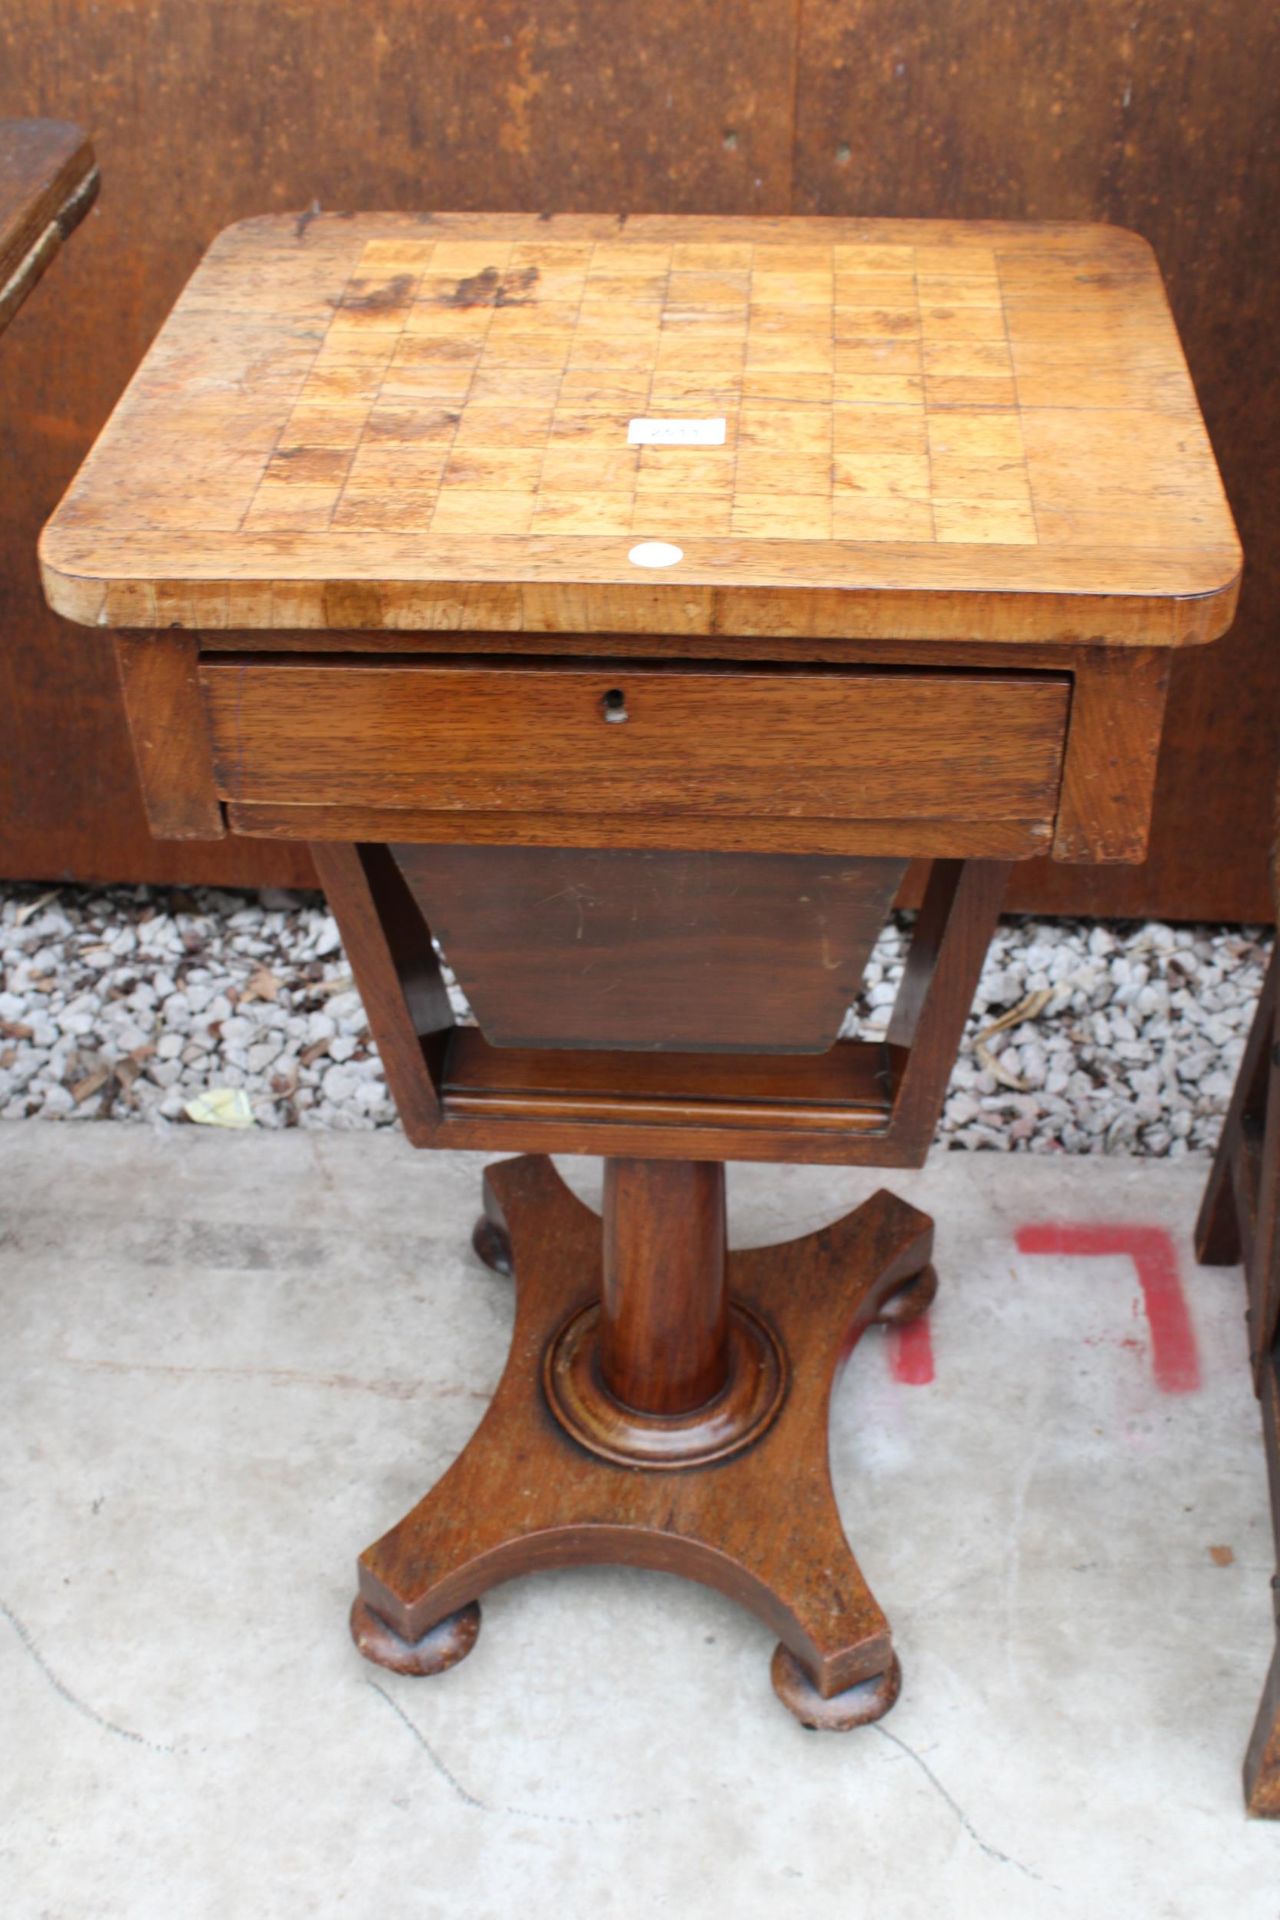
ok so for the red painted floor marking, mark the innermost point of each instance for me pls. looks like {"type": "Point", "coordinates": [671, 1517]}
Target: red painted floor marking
{"type": "Point", "coordinates": [1174, 1355]}
{"type": "Point", "coordinates": [911, 1353]}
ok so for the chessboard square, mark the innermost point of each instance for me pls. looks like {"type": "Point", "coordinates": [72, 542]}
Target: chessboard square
{"type": "Point", "coordinates": [448, 323]}
{"type": "Point", "coordinates": [504, 426]}
{"type": "Point", "coordinates": [939, 290]}
{"type": "Point", "coordinates": [533, 316]}
{"type": "Point", "coordinates": [713, 355]}
{"type": "Point", "coordinates": [876, 323]}
{"type": "Point", "coordinates": [790, 353]}
{"type": "Point", "coordinates": [808, 289]}
{"type": "Point", "coordinates": [782, 516]}
{"type": "Point", "coordinates": [793, 256]}
{"type": "Point", "coordinates": [360, 350]}
{"type": "Point", "coordinates": [410, 426]}
{"type": "Point", "coordinates": [773, 389]}
{"type": "Point", "coordinates": [468, 257]}
{"type": "Point", "coordinates": [398, 466]}
{"type": "Point", "coordinates": [307, 467]}
{"type": "Point", "coordinates": [610, 319]}
{"type": "Point", "coordinates": [984, 436]}
{"type": "Point", "coordinates": [401, 510]}
{"type": "Point", "coordinates": [770, 317]}
{"type": "Point", "coordinates": [588, 390]}
{"type": "Point", "coordinates": [628, 259]}
{"type": "Point", "coordinates": [582, 513]}
{"type": "Point", "coordinates": [697, 256]}
{"type": "Point", "coordinates": [493, 469]}
{"type": "Point", "coordinates": [984, 523]}
{"type": "Point", "coordinates": [805, 430]}
{"type": "Point", "coordinates": [618, 352]}
{"type": "Point", "coordinates": [875, 290]}
{"type": "Point", "coordinates": [430, 350]}
{"type": "Point", "coordinates": [290, 509]}
{"type": "Point", "coordinates": [552, 256]}
{"type": "Point", "coordinates": [881, 473]}
{"type": "Point", "coordinates": [878, 356]}
{"type": "Point", "coordinates": [962, 323]}
{"type": "Point", "coordinates": [791, 473]}
{"type": "Point", "coordinates": [700, 469]}
{"type": "Point", "coordinates": [962, 261]}
{"type": "Point", "coordinates": [866, 516]}
{"type": "Point", "coordinates": [873, 429]}
{"type": "Point", "coordinates": [682, 515]}
{"type": "Point", "coordinates": [316, 425]}
{"type": "Point", "coordinates": [721, 323]}
{"type": "Point", "coordinates": [694, 394]}
{"type": "Point", "coordinates": [962, 476]}
{"type": "Point", "coordinates": [376, 318]}
{"type": "Point", "coordinates": [877, 390]}
{"type": "Point", "coordinates": [465, 511]}
{"type": "Point", "coordinates": [576, 469]}
{"type": "Point", "coordinates": [560, 286]}
{"type": "Point", "coordinates": [944, 390]}
{"type": "Point", "coordinates": [526, 350]}
{"type": "Point", "coordinates": [345, 385]}
{"type": "Point", "coordinates": [590, 429]}
{"type": "Point", "coordinates": [972, 358]}
{"type": "Point", "coordinates": [396, 256]}
{"type": "Point", "coordinates": [615, 290]}
{"type": "Point", "coordinates": [422, 384]}
{"type": "Point", "coordinates": [858, 258]}
{"type": "Point", "coordinates": [517, 386]}
{"type": "Point", "coordinates": [708, 289]}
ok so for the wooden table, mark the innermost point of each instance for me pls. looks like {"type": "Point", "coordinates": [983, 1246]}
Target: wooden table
{"type": "Point", "coordinates": [642, 722]}
{"type": "Point", "coordinates": [48, 182]}
{"type": "Point", "coordinates": [1240, 1224]}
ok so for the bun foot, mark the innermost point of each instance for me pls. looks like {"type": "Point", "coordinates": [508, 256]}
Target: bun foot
{"type": "Point", "coordinates": [492, 1246]}
{"type": "Point", "coordinates": [856, 1707]}
{"type": "Point", "coordinates": [441, 1647]}
{"type": "Point", "coordinates": [911, 1300]}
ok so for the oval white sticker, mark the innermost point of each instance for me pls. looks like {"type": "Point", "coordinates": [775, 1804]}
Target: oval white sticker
{"type": "Point", "coordinates": [655, 553]}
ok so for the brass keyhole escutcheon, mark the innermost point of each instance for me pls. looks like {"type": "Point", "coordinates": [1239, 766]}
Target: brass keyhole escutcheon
{"type": "Point", "coordinates": [613, 705]}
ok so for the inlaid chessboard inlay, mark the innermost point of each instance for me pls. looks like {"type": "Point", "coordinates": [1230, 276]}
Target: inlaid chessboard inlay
{"type": "Point", "coordinates": [390, 399]}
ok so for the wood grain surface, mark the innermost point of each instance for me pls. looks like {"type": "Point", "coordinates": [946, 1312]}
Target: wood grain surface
{"type": "Point", "coordinates": [48, 181]}
{"type": "Point", "coordinates": [401, 421]}
{"type": "Point", "coordinates": [684, 740]}
{"type": "Point", "coordinates": [1160, 119]}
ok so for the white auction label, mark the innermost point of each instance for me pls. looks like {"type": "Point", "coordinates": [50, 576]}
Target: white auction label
{"type": "Point", "coordinates": [676, 433]}
{"type": "Point", "coordinates": [655, 553]}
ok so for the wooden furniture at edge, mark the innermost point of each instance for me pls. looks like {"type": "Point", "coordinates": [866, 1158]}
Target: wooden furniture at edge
{"type": "Point", "coordinates": [369, 533]}
{"type": "Point", "coordinates": [1240, 1221]}
{"type": "Point", "coordinates": [48, 182]}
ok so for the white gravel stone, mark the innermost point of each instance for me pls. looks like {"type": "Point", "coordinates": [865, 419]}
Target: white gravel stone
{"type": "Point", "coordinates": [176, 993]}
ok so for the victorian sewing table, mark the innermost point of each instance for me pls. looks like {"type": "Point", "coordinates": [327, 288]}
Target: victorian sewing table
{"type": "Point", "coordinates": [617, 605]}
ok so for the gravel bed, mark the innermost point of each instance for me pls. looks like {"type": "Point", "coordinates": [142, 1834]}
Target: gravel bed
{"type": "Point", "coordinates": [140, 1004]}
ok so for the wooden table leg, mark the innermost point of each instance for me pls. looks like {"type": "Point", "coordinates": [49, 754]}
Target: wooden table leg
{"type": "Point", "coordinates": [1240, 1221]}
{"type": "Point", "coordinates": [663, 1405]}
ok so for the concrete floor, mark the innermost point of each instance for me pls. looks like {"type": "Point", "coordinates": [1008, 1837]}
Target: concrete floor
{"type": "Point", "coordinates": [229, 1361]}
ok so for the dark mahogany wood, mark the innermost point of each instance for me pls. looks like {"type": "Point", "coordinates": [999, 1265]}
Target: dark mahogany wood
{"type": "Point", "coordinates": [669, 951]}
{"type": "Point", "coordinates": [761, 1526]}
{"type": "Point", "coordinates": [862, 1102]}
{"type": "Point", "coordinates": [1240, 1220]}
{"type": "Point", "coordinates": [664, 1312]}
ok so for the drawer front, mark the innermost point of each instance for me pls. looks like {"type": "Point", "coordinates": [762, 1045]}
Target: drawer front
{"type": "Point", "coordinates": [565, 739]}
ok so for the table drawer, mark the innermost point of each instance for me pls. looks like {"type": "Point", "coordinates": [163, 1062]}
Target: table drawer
{"type": "Point", "coordinates": [570, 739]}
